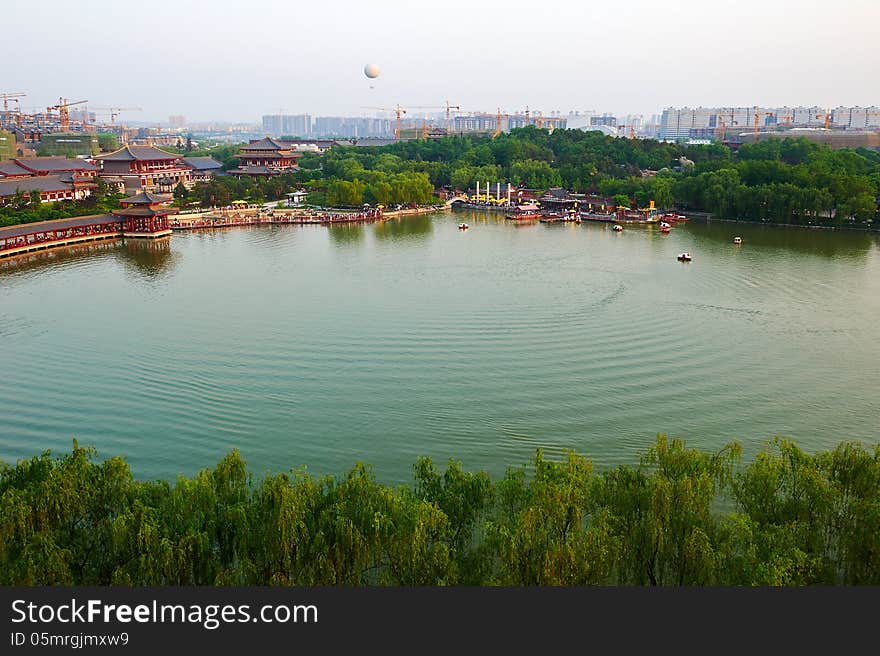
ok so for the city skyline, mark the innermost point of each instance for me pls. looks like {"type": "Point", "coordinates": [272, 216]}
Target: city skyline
{"type": "Point", "coordinates": [238, 63]}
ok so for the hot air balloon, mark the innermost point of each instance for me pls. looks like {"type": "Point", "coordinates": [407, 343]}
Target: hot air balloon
{"type": "Point", "coordinates": [372, 71]}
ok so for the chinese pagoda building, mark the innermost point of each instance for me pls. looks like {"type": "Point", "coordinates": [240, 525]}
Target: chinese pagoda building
{"type": "Point", "coordinates": [141, 167]}
{"type": "Point", "coordinates": [145, 215]}
{"type": "Point", "coordinates": [266, 157]}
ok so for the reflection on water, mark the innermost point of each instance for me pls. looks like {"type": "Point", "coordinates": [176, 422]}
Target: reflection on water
{"type": "Point", "coordinates": [419, 225]}
{"type": "Point", "coordinates": [480, 345]}
{"type": "Point", "coordinates": [149, 257]}
{"type": "Point", "coordinates": [346, 233]}
{"type": "Point", "coordinates": [826, 243]}
{"type": "Point", "coordinates": [55, 256]}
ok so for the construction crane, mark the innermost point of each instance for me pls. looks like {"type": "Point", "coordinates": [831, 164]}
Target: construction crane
{"type": "Point", "coordinates": [424, 123]}
{"type": "Point", "coordinates": [827, 116]}
{"type": "Point", "coordinates": [17, 112]}
{"type": "Point", "coordinates": [448, 124]}
{"type": "Point", "coordinates": [498, 116]}
{"type": "Point", "coordinates": [539, 119]}
{"type": "Point", "coordinates": [757, 116]}
{"type": "Point", "coordinates": [9, 96]}
{"type": "Point", "coordinates": [114, 111]}
{"type": "Point", "coordinates": [398, 112]}
{"type": "Point", "coordinates": [724, 125]}
{"type": "Point", "coordinates": [63, 108]}
{"type": "Point", "coordinates": [632, 130]}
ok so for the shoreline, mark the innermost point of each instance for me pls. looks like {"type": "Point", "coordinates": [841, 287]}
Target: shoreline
{"type": "Point", "coordinates": [708, 218]}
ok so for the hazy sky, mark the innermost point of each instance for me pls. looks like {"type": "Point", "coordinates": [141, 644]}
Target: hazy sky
{"type": "Point", "coordinates": [239, 59]}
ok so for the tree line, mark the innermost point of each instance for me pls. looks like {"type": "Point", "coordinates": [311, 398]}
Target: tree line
{"type": "Point", "coordinates": [787, 180]}
{"type": "Point", "coordinates": [25, 207]}
{"type": "Point", "coordinates": [791, 181]}
{"type": "Point", "coordinates": [681, 516]}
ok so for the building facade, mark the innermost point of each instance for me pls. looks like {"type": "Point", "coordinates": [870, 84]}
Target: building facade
{"type": "Point", "coordinates": [294, 125]}
{"type": "Point", "coordinates": [266, 157]}
{"type": "Point", "coordinates": [52, 188]}
{"type": "Point", "coordinates": [204, 169]}
{"type": "Point", "coordinates": [707, 122]}
{"type": "Point", "coordinates": [142, 167]}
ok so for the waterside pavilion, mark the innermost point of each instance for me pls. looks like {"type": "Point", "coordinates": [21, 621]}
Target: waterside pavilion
{"type": "Point", "coordinates": [141, 216]}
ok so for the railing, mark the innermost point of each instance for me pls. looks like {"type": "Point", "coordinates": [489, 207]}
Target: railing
{"type": "Point", "coordinates": [45, 236]}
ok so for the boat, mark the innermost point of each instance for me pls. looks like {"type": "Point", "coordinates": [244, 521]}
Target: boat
{"type": "Point", "coordinates": [524, 213]}
{"type": "Point", "coordinates": [665, 227]}
{"type": "Point", "coordinates": [463, 226]}
{"type": "Point", "coordinates": [684, 257]}
{"type": "Point", "coordinates": [673, 217]}
{"type": "Point", "coordinates": [737, 240]}
{"type": "Point", "coordinates": [617, 228]}
{"type": "Point", "coordinates": [595, 216]}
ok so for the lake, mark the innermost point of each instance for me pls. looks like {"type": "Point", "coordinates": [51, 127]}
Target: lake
{"type": "Point", "coordinates": [316, 347]}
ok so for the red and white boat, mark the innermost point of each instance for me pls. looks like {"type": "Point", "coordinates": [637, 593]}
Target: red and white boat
{"type": "Point", "coordinates": [525, 213]}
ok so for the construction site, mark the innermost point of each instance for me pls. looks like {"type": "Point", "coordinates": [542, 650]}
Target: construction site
{"type": "Point", "coordinates": [70, 127]}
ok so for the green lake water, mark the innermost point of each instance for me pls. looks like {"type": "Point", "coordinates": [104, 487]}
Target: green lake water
{"type": "Point", "coordinates": [319, 347]}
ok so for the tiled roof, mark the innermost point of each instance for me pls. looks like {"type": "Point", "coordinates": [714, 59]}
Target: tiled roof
{"type": "Point", "coordinates": [145, 198]}
{"type": "Point", "coordinates": [56, 224]}
{"type": "Point", "coordinates": [202, 163]}
{"type": "Point", "coordinates": [254, 170]}
{"type": "Point", "coordinates": [51, 164]}
{"type": "Point", "coordinates": [9, 167]}
{"type": "Point", "coordinates": [266, 155]}
{"type": "Point", "coordinates": [132, 153]}
{"type": "Point", "coordinates": [266, 144]}
{"type": "Point", "coordinates": [145, 211]}
{"type": "Point", "coordinates": [34, 183]}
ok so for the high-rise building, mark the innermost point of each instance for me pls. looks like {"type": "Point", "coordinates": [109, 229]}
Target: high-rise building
{"type": "Point", "coordinates": [703, 122]}
{"type": "Point", "coordinates": [295, 125]}
{"type": "Point", "coordinates": [353, 127]}
{"type": "Point", "coordinates": [605, 119]}
{"type": "Point", "coordinates": [177, 121]}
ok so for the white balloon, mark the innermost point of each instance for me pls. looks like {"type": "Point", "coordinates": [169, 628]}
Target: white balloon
{"type": "Point", "coordinates": [371, 71]}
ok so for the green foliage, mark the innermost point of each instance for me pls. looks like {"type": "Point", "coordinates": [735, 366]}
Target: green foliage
{"type": "Point", "coordinates": [788, 518]}
{"type": "Point", "coordinates": [7, 145]}
{"type": "Point", "coordinates": [108, 141]}
{"type": "Point", "coordinates": [792, 181]}
{"type": "Point", "coordinates": [26, 208]}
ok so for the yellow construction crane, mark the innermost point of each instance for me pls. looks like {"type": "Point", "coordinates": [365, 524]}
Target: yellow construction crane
{"type": "Point", "coordinates": [539, 118]}
{"type": "Point", "coordinates": [9, 96]}
{"type": "Point", "coordinates": [723, 125]}
{"type": "Point", "coordinates": [14, 97]}
{"type": "Point", "coordinates": [757, 116]}
{"type": "Point", "coordinates": [63, 108]}
{"type": "Point", "coordinates": [114, 111]}
{"type": "Point", "coordinates": [398, 112]}
{"type": "Point", "coordinates": [424, 123]}
{"type": "Point", "coordinates": [827, 116]}
{"type": "Point", "coordinates": [498, 116]}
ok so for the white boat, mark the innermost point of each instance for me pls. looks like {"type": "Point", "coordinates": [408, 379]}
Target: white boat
{"type": "Point", "coordinates": [737, 240]}
{"type": "Point", "coordinates": [617, 228]}
{"type": "Point", "coordinates": [684, 257]}
{"type": "Point", "coordinates": [463, 226]}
